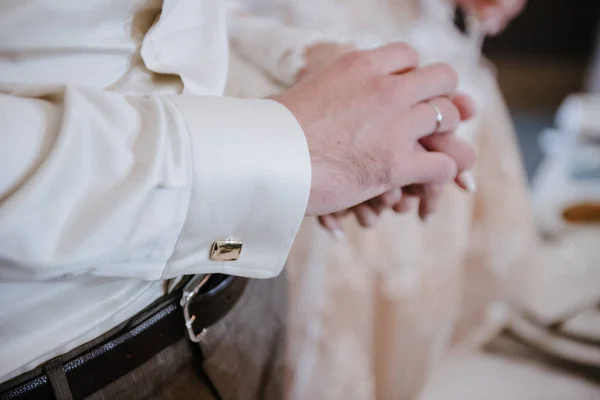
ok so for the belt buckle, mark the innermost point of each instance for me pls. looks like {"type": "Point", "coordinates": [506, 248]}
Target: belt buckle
{"type": "Point", "coordinates": [190, 290]}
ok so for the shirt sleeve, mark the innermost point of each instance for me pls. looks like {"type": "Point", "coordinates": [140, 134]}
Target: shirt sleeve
{"type": "Point", "coordinates": [94, 182]}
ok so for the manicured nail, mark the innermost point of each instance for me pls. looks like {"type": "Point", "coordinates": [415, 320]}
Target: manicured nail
{"type": "Point", "coordinates": [395, 196]}
{"type": "Point", "coordinates": [338, 234]}
{"type": "Point", "coordinates": [467, 180]}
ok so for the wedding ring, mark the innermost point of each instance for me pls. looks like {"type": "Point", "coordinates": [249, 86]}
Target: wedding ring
{"type": "Point", "coordinates": [438, 117]}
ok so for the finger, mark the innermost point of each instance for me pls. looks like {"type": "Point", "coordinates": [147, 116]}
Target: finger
{"type": "Point", "coordinates": [466, 180]}
{"type": "Point", "coordinates": [429, 201]}
{"type": "Point", "coordinates": [406, 204]}
{"type": "Point", "coordinates": [415, 190]}
{"type": "Point", "coordinates": [385, 200]}
{"type": "Point", "coordinates": [341, 214]}
{"type": "Point", "coordinates": [332, 224]}
{"type": "Point", "coordinates": [365, 215]}
{"type": "Point", "coordinates": [461, 151]}
{"type": "Point", "coordinates": [432, 167]}
{"type": "Point", "coordinates": [433, 80]}
{"type": "Point", "coordinates": [393, 58]}
{"type": "Point", "coordinates": [429, 196]}
{"type": "Point", "coordinates": [376, 205]}
{"type": "Point", "coordinates": [423, 117]}
{"type": "Point", "coordinates": [465, 105]}
{"type": "Point", "coordinates": [389, 198]}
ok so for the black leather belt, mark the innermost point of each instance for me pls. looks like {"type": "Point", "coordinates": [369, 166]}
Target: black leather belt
{"type": "Point", "coordinates": [203, 299]}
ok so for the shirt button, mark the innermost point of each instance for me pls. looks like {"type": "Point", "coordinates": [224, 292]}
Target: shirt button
{"type": "Point", "coordinates": [226, 250]}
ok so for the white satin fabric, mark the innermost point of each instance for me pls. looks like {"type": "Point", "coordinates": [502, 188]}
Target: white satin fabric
{"type": "Point", "coordinates": [120, 165]}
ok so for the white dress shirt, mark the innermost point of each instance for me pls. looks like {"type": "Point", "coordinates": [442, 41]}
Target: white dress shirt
{"type": "Point", "coordinates": [120, 165]}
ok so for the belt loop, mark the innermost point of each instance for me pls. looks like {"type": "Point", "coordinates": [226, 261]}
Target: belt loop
{"type": "Point", "coordinates": [57, 376]}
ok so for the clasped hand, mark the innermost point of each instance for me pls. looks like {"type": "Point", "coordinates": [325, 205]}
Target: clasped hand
{"type": "Point", "coordinates": [372, 130]}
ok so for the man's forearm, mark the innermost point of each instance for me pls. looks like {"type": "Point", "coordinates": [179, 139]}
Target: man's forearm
{"type": "Point", "coordinates": [134, 186]}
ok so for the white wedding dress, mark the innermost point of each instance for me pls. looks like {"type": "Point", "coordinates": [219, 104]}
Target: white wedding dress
{"type": "Point", "coordinates": [371, 316]}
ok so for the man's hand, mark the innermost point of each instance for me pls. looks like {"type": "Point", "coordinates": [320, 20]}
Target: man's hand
{"type": "Point", "coordinates": [364, 116]}
{"type": "Point", "coordinates": [494, 15]}
{"type": "Point", "coordinates": [423, 197]}
{"type": "Point", "coordinates": [320, 55]}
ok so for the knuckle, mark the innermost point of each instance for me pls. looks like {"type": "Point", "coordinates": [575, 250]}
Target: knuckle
{"type": "Point", "coordinates": [356, 59]}
{"type": "Point", "coordinates": [448, 74]}
{"type": "Point", "coordinates": [409, 52]}
{"type": "Point", "coordinates": [349, 59]}
{"type": "Point", "coordinates": [405, 53]}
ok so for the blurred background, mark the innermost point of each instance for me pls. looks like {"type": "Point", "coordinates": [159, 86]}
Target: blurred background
{"type": "Point", "coordinates": [550, 51]}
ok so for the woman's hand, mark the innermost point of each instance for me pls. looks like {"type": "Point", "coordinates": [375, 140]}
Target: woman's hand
{"type": "Point", "coordinates": [494, 15]}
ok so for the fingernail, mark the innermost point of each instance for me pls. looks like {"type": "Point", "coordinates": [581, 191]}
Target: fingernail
{"type": "Point", "coordinates": [396, 196]}
{"type": "Point", "coordinates": [467, 180]}
{"type": "Point", "coordinates": [338, 234]}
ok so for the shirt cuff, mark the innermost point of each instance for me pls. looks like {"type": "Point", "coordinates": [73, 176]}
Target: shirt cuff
{"type": "Point", "coordinates": [251, 183]}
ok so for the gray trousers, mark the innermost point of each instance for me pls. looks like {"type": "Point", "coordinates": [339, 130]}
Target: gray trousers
{"type": "Point", "coordinates": [243, 356]}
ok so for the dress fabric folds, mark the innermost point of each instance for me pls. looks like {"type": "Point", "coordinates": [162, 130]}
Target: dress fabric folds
{"type": "Point", "coordinates": [370, 316]}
